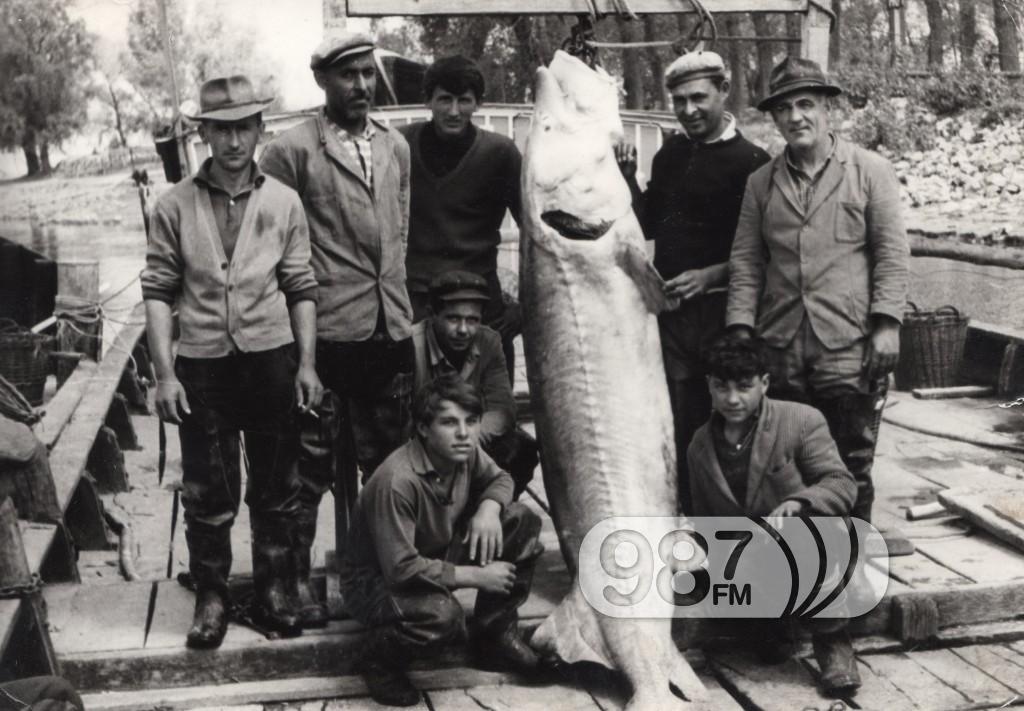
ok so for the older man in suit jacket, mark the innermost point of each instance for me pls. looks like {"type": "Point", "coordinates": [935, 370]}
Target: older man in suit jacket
{"type": "Point", "coordinates": [762, 457]}
{"type": "Point", "coordinates": [819, 268]}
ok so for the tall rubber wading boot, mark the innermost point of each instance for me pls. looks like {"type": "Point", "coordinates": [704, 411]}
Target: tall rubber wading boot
{"type": "Point", "coordinates": [382, 666]}
{"type": "Point", "coordinates": [272, 574]}
{"type": "Point", "coordinates": [854, 420]}
{"type": "Point", "coordinates": [312, 613]}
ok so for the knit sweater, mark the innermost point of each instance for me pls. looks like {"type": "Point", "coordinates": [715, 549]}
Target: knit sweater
{"type": "Point", "coordinates": [692, 202]}
{"type": "Point", "coordinates": [454, 219]}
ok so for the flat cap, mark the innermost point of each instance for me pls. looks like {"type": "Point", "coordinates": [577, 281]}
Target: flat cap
{"type": "Point", "coordinates": [694, 65]}
{"type": "Point", "coordinates": [337, 47]}
{"type": "Point", "coordinates": [458, 285]}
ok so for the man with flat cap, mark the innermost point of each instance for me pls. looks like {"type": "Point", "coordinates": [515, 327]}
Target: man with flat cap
{"type": "Point", "coordinates": [230, 248]}
{"type": "Point", "coordinates": [690, 210]}
{"type": "Point", "coordinates": [352, 174]}
{"type": "Point", "coordinates": [453, 340]}
{"type": "Point", "coordinates": [819, 268]}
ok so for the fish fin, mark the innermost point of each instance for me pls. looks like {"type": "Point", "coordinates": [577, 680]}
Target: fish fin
{"type": "Point", "coordinates": [635, 263]}
{"type": "Point", "coordinates": [572, 632]}
{"type": "Point", "coordinates": [683, 688]}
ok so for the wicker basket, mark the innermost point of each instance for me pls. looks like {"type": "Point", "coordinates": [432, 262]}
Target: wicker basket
{"type": "Point", "coordinates": [25, 359]}
{"type": "Point", "coordinates": [931, 348]}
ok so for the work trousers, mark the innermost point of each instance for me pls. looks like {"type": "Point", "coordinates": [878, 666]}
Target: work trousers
{"type": "Point", "coordinates": [40, 693]}
{"type": "Point", "coordinates": [493, 310]}
{"type": "Point", "coordinates": [685, 334]}
{"type": "Point", "coordinates": [834, 382]}
{"type": "Point", "coordinates": [368, 416]}
{"type": "Point", "coordinates": [252, 394]}
{"type": "Point", "coordinates": [516, 452]}
{"type": "Point", "coordinates": [424, 614]}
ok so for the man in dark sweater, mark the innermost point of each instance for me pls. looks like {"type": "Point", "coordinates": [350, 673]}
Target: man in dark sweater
{"type": "Point", "coordinates": [690, 210]}
{"type": "Point", "coordinates": [463, 181]}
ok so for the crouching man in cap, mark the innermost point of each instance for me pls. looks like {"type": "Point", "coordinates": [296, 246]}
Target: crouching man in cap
{"type": "Point", "coordinates": [452, 340]}
{"type": "Point", "coordinates": [690, 209]}
{"type": "Point", "coordinates": [352, 174]}
{"type": "Point", "coordinates": [438, 515]}
{"type": "Point", "coordinates": [230, 247]}
{"type": "Point", "coordinates": [819, 268]}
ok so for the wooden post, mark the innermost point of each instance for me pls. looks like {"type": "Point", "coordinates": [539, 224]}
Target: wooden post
{"type": "Point", "coordinates": [814, 34]}
{"type": "Point", "coordinates": [14, 568]}
{"type": "Point", "coordinates": [79, 327]}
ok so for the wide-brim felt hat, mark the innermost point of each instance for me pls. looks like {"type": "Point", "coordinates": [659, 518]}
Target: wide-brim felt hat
{"type": "Point", "coordinates": [796, 74]}
{"type": "Point", "coordinates": [229, 99]}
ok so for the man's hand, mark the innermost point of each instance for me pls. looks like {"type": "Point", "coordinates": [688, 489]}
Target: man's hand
{"type": "Point", "coordinates": [485, 532]}
{"type": "Point", "coordinates": [496, 577]}
{"type": "Point", "coordinates": [689, 284]}
{"type": "Point", "coordinates": [883, 348]}
{"type": "Point", "coordinates": [784, 510]}
{"type": "Point", "coordinates": [170, 396]}
{"type": "Point", "coordinates": [510, 323]}
{"type": "Point", "coordinates": [625, 156]}
{"type": "Point", "coordinates": [308, 389]}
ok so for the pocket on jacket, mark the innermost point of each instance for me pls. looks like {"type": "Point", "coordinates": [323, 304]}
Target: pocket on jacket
{"type": "Point", "coordinates": [851, 222]}
{"type": "Point", "coordinates": [785, 479]}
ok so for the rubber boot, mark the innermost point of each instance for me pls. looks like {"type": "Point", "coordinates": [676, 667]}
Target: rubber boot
{"type": "Point", "coordinates": [837, 661]}
{"type": "Point", "coordinates": [210, 621]}
{"type": "Point", "coordinates": [382, 667]}
{"type": "Point", "coordinates": [209, 563]}
{"type": "Point", "coordinates": [854, 420]}
{"type": "Point", "coordinates": [312, 613]}
{"type": "Point", "coordinates": [271, 573]}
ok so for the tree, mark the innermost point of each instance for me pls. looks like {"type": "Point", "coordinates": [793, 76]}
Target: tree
{"type": "Point", "coordinates": [146, 62]}
{"type": "Point", "coordinates": [968, 31]}
{"type": "Point", "coordinates": [936, 33]}
{"type": "Point", "coordinates": [1006, 35]}
{"type": "Point", "coordinates": [44, 61]}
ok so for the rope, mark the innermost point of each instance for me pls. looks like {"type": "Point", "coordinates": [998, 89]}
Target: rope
{"type": "Point", "coordinates": [14, 406]}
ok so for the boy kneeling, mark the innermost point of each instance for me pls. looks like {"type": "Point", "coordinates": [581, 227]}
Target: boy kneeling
{"type": "Point", "coordinates": [438, 515]}
{"type": "Point", "coordinates": [762, 457]}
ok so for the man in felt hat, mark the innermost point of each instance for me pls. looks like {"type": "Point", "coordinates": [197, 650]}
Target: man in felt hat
{"type": "Point", "coordinates": [452, 340]}
{"type": "Point", "coordinates": [352, 174]}
{"type": "Point", "coordinates": [690, 209]}
{"type": "Point", "coordinates": [230, 247]}
{"type": "Point", "coordinates": [819, 267]}
{"type": "Point", "coordinates": [464, 180]}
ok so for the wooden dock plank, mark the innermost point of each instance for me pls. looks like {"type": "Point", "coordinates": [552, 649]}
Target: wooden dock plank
{"type": "Point", "coordinates": [172, 616]}
{"type": "Point", "coordinates": [781, 687]}
{"type": "Point", "coordinates": [513, 696]}
{"type": "Point", "coordinates": [919, 571]}
{"type": "Point", "coordinates": [61, 406]}
{"type": "Point", "coordinates": [926, 690]}
{"type": "Point", "coordinates": [978, 557]}
{"type": "Point", "coordinates": [956, 672]}
{"type": "Point", "coordinates": [997, 661]}
{"type": "Point", "coordinates": [68, 457]}
{"type": "Point", "coordinates": [97, 619]}
{"type": "Point", "coordinates": [876, 692]}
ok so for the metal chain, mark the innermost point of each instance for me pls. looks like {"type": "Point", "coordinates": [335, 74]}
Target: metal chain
{"type": "Point", "coordinates": [34, 585]}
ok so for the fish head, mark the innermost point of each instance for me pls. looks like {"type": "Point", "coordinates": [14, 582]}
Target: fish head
{"type": "Point", "coordinates": [571, 181]}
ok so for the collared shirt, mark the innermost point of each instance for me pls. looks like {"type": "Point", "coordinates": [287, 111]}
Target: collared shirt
{"type": "Point", "coordinates": [358, 147]}
{"type": "Point", "coordinates": [228, 207]}
{"type": "Point", "coordinates": [408, 515]}
{"type": "Point", "coordinates": [803, 181]}
{"type": "Point", "coordinates": [727, 133]}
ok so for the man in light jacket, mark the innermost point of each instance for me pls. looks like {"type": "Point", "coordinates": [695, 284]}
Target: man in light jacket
{"type": "Point", "coordinates": [352, 174]}
{"type": "Point", "coordinates": [229, 246]}
{"type": "Point", "coordinates": [819, 268]}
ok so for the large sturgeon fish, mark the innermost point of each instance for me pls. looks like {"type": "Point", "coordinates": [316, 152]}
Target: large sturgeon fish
{"type": "Point", "coordinates": [596, 374]}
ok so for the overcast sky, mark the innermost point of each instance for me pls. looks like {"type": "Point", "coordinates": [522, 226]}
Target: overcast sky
{"type": "Point", "coordinates": [288, 32]}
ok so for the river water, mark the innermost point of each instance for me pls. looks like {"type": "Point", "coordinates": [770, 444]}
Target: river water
{"type": "Point", "coordinates": [992, 294]}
